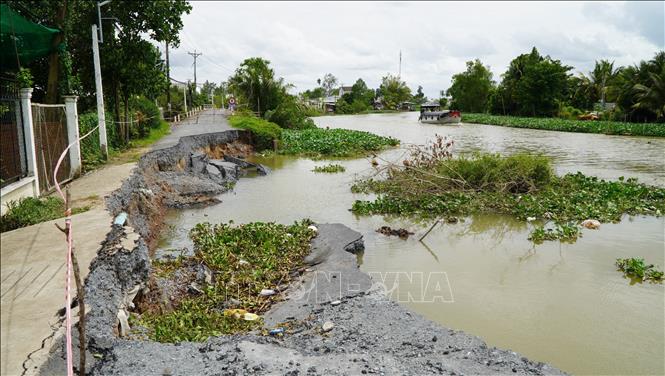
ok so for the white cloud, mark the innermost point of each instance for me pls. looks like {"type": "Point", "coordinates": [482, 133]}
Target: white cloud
{"type": "Point", "coordinates": [304, 41]}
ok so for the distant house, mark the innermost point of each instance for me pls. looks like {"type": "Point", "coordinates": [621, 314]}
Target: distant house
{"type": "Point", "coordinates": [329, 103]}
{"type": "Point", "coordinates": [407, 106]}
{"type": "Point", "coordinates": [344, 90]}
{"type": "Point", "coordinates": [378, 104]}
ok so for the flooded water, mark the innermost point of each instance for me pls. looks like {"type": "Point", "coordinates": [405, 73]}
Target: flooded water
{"type": "Point", "coordinates": [560, 303]}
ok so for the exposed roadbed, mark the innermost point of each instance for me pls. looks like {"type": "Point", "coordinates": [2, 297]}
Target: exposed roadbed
{"type": "Point", "coordinates": [369, 333]}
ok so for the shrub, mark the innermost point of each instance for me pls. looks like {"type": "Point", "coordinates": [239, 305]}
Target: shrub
{"type": "Point", "coordinates": [264, 131]}
{"type": "Point", "coordinates": [91, 153]}
{"type": "Point", "coordinates": [290, 115]}
{"type": "Point", "coordinates": [147, 114]}
{"type": "Point", "coordinates": [32, 210]}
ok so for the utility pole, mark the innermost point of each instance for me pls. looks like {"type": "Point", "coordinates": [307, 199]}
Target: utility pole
{"type": "Point", "coordinates": [195, 55]}
{"type": "Point", "coordinates": [168, 79]}
{"type": "Point", "coordinates": [399, 75]}
{"type": "Point", "coordinates": [97, 37]}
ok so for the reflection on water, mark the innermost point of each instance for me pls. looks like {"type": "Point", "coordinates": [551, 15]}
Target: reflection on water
{"type": "Point", "coordinates": [561, 303]}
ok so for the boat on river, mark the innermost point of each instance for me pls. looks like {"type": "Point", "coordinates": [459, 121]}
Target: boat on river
{"type": "Point", "coordinates": [431, 113]}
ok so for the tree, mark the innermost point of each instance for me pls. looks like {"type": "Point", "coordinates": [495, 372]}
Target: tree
{"type": "Point", "coordinates": [632, 82]}
{"type": "Point", "coordinates": [470, 89]}
{"type": "Point", "coordinates": [420, 97]}
{"type": "Point", "coordinates": [652, 97]}
{"type": "Point", "coordinates": [256, 83]}
{"type": "Point", "coordinates": [601, 85]}
{"type": "Point", "coordinates": [533, 85]}
{"type": "Point", "coordinates": [394, 91]}
{"type": "Point", "coordinates": [329, 83]}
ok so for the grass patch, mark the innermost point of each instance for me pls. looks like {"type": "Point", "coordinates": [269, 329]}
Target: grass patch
{"type": "Point", "coordinates": [244, 260]}
{"type": "Point", "coordinates": [637, 269]}
{"type": "Point", "coordinates": [332, 142]}
{"type": "Point", "coordinates": [522, 186]}
{"type": "Point", "coordinates": [330, 168]}
{"type": "Point", "coordinates": [264, 131]}
{"type": "Point", "coordinates": [555, 124]}
{"type": "Point", "coordinates": [155, 135]}
{"type": "Point", "coordinates": [32, 210]}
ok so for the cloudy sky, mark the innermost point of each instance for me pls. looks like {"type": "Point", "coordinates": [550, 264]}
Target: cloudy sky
{"type": "Point", "coordinates": [304, 41]}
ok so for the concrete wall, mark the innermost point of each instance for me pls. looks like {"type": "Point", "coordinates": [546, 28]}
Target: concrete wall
{"type": "Point", "coordinates": [26, 187]}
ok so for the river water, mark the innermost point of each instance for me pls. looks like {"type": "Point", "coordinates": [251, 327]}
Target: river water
{"type": "Point", "coordinates": [560, 303]}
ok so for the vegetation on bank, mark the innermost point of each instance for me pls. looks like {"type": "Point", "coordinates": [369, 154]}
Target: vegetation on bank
{"type": "Point", "coordinates": [330, 168]}
{"type": "Point", "coordinates": [637, 269]}
{"type": "Point", "coordinates": [245, 261]}
{"type": "Point", "coordinates": [542, 86]}
{"type": "Point", "coordinates": [264, 132]}
{"type": "Point", "coordinates": [319, 142]}
{"type": "Point", "coordinates": [433, 184]}
{"type": "Point", "coordinates": [313, 142]}
{"type": "Point", "coordinates": [29, 211]}
{"type": "Point", "coordinates": [556, 124]}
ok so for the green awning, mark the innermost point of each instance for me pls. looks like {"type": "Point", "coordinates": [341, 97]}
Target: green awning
{"type": "Point", "coordinates": [22, 40]}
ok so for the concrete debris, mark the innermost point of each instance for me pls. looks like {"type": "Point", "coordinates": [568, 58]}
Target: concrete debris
{"type": "Point", "coordinates": [327, 326]}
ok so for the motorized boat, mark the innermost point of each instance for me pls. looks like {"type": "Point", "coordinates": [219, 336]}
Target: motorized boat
{"type": "Point", "coordinates": [431, 113]}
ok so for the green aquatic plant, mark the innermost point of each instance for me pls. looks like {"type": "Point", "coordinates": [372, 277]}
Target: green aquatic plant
{"type": "Point", "coordinates": [582, 126]}
{"type": "Point", "coordinates": [562, 232]}
{"type": "Point", "coordinates": [636, 268]}
{"type": "Point", "coordinates": [332, 142]}
{"type": "Point", "coordinates": [244, 260]}
{"type": "Point", "coordinates": [522, 186]}
{"type": "Point", "coordinates": [330, 168]}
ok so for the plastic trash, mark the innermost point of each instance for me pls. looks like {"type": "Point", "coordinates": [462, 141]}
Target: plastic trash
{"type": "Point", "coordinates": [530, 219]}
{"type": "Point", "coordinates": [276, 331]}
{"type": "Point", "coordinates": [591, 224]}
{"type": "Point", "coordinates": [120, 219]}
{"type": "Point", "coordinates": [267, 292]}
{"type": "Point", "coordinates": [250, 316]}
{"type": "Point", "coordinates": [313, 228]}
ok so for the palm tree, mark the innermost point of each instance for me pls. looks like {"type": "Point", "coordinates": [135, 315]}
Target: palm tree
{"type": "Point", "coordinates": [601, 81]}
{"type": "Point", "coordinates": [652, 97]}
{"type": "Point", "coordinates": [256, 82]}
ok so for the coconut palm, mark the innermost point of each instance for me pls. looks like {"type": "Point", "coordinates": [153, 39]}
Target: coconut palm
{"type": "Point", "coordinates": [255, 81]}
{"type": "Point", "coordinates": [601, 83]}
{"type": "Point", "coordinates": [652, 97]}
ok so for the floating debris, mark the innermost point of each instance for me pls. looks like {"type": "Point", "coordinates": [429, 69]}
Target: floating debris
{"type": "Point", "coordinates": [591, 224]}
{"type": "Point", "coordinates": [402, 233]}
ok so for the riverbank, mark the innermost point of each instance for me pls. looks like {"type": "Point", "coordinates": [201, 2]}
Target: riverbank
{"type": "Point", "coordinates": [565, 125]}
{"type": "Point", "coordinates": [370, 333]}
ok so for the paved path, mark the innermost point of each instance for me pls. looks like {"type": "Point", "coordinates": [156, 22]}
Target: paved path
{"type": "Point", "coordinates": [208, 121]}
{"type": "Point", "coordinates": [33, 258]}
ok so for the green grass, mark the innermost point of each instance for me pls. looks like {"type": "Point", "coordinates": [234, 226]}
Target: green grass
{"type": "Point", "coordinates": [264, 131]}
{"type": "Point", "coordinates": [555, 124]}
{"type": "Point", "coordinates": [637, 269]}
{"type": "Point", "coordinates": [320, 142]}
{"type": "Point", "coordinates": [155, 135]}
{"type": "Point", "coordinates": [330, 168]}
{"type": "Point", "coordinates": [32, 210]}
{"type": "Point", "coordinates": [521, 186]}
{"type": "Point", "coordinates": [244, 259]}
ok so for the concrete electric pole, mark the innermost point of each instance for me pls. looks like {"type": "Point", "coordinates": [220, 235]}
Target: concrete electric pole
{"type": "Point", "coordinates": [195, 55]}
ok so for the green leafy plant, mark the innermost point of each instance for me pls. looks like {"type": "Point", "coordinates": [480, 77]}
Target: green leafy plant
{"type": "Point", "coordinates": [555, 124]}
{"type": "Point", "coordinates": [330, 168]}
{"type": "Point", "coordinates": [522, 186]}
{"type": "Point", "coordinates": [24, 78]}
{"type": "Point", "coordinates": [636, 268]}
{"type": "Point", "coordinates": [264, 131]}
{"type": "Point", "coordinates": [562, 232]}
{"type": "Point", "coordinates": [32, 210]}
{"type": "Point", "coordinates": [244, 259]}
{"type": "Point", "coordinates": [332, 142]}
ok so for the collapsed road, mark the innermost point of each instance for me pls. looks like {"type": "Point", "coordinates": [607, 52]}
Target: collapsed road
{"type": "Point", "coordinates": [341, 323]}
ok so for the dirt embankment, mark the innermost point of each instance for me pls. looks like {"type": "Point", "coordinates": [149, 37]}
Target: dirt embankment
{"type": "Point", "coordinates": [338, 321]}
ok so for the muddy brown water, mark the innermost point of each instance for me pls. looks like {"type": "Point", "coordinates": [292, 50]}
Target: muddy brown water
{"type": "Point", "coordinates": [564, 304]}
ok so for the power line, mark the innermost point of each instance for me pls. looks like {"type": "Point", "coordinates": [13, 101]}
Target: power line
{"type": "Point", "coordinates": [195, 55]}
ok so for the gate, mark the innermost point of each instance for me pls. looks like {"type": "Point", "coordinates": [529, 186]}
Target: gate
{"type": "Point", "coordinates": [13, 162]}
{"type": "Point", "coordinates": [50, 127]}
